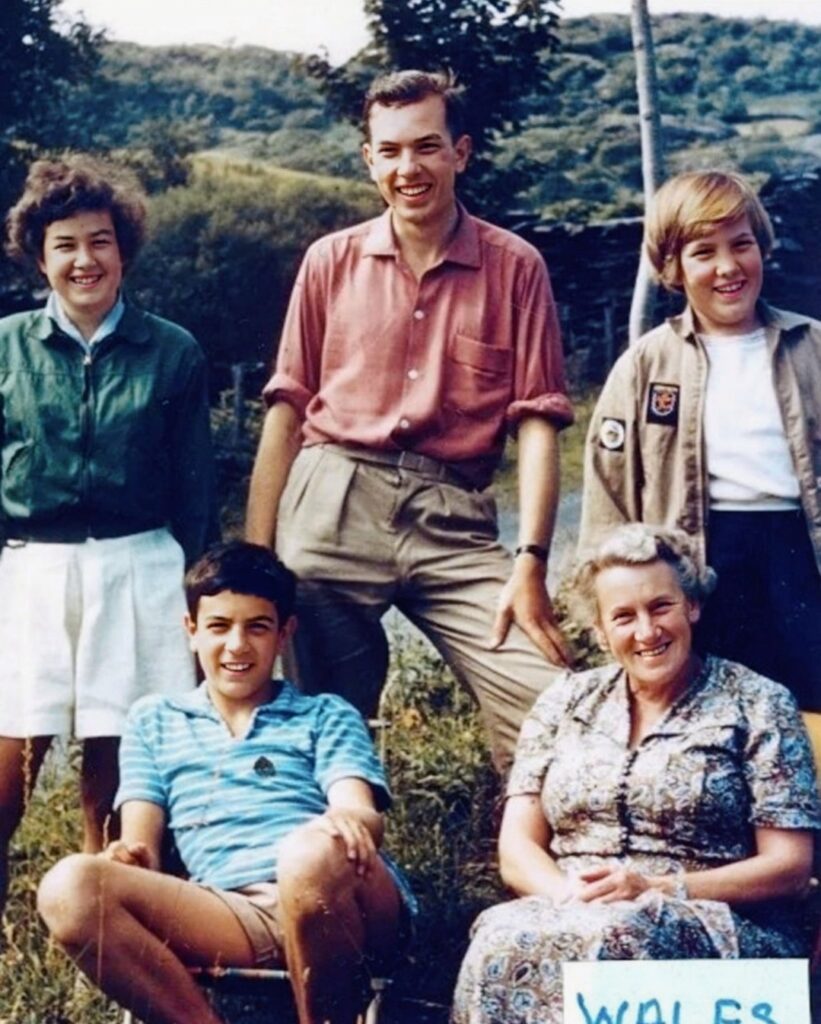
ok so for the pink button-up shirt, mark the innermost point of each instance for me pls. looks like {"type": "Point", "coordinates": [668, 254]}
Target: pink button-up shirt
{"type": "Point", "coordinates": [373, 358]}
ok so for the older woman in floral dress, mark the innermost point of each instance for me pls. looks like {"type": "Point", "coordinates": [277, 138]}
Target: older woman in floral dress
{"type": "Point", "coordinates": [660, 807]}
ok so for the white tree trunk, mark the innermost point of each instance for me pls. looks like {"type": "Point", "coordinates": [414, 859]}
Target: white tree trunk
{"type": "Point", "coordinates": [652, 161]}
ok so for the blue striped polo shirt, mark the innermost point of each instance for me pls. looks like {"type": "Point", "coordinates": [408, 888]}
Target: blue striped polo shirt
{"type": "Point", "coordinates": [230, 800]}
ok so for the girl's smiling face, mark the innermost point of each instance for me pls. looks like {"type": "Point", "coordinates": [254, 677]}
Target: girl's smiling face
{"type": "Point", "coordinates": [81, 259]}
{"type": "Point", "coordinates": [721, 273]}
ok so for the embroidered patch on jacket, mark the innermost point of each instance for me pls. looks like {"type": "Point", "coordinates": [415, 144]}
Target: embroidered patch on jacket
{"type": "Point", "coordinates": [611, 434]}
{"type": "Point", "coordinates": [662, 404]}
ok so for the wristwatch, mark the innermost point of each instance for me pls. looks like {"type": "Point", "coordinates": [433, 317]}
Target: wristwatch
{"type": "Point", "coordinates": [532, 549]}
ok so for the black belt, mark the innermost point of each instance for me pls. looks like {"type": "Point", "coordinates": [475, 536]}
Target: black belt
{"type": "Point", "coordinates": [68, 531]}
{"type": "Point", "coordinates": [422, 464]}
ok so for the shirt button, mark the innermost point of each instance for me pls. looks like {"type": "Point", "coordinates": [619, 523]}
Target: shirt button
{"type": "Point", "coordinates": [413, 374]}
{"type": "Point", "coordinates": [418, 314]}
{"type": "Point", "coordinates": [404, 424]}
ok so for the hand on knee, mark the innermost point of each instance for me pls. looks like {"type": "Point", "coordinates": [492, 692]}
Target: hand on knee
{"type": "Point", "coordinates": [313, 868]}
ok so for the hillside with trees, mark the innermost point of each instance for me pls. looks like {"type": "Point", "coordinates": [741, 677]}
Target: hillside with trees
{"type": "Point", "coordinates": [745, 93]}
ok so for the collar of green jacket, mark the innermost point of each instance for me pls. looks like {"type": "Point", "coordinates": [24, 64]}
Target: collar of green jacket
{"type": "Point", "coordinates": [132, 327]}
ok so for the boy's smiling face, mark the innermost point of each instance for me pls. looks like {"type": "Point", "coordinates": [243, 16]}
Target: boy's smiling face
{"type": "Point", "coordinates": [237, 638]}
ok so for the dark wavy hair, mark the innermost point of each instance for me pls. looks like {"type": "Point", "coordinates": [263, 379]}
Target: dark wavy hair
{"type": "Point", "coordinates": [57, 189]}
{"type": "Point", "coordinates": [398, 88]}
{"type": "Point", "coordinates": [242, 568]}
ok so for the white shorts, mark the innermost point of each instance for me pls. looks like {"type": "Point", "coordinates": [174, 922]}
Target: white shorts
{"type": "Point", "coordinates": [86, 629]}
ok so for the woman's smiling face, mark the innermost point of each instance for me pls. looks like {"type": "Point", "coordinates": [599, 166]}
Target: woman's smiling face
{"type": "Point", "coordinates": [646, 622]}
{"type": "Point", "coordinates": [81, 259]}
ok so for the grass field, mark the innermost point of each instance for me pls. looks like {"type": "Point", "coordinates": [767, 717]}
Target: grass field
{"type": "Point", "coordinates": [442, 829]}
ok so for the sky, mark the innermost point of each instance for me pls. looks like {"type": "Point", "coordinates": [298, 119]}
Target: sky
{"type": "Point", "coordinates": [339, 25]}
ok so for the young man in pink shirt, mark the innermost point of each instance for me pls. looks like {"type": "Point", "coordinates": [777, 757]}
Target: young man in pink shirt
{"type": "Point", "coordinates": [413, 343]}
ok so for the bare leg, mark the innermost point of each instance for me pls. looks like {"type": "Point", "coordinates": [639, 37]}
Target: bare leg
{"type": "Point", "coordinates": [99, 778]}
{"type": "Point", "coordinates": [133, 931]}
{"type": "Point", "coordinates": [20, 761]}
{"type": "Point", "coordinates": [332, 919]}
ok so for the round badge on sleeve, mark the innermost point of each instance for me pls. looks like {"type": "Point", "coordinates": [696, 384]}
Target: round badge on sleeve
{"type": "Point", "coordinates": [612, 433]}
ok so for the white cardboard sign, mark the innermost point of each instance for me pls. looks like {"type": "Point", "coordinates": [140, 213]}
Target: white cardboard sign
{"type": "Point", "coordinates": [687, 992]}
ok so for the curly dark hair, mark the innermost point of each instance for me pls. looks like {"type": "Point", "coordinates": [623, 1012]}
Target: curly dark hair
{"type": "Point", "coordinates": [57, 189]}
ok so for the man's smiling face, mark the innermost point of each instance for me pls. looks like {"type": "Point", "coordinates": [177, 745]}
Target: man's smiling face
{"type": "Point", "coordinates": [414, 162]}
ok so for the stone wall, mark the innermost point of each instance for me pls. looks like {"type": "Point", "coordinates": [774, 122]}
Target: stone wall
{"type": "Point", "coordinates": [593, 270]}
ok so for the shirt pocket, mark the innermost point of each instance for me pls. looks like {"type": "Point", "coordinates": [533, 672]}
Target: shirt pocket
{"type": "Point", "coordinates": [478, 377]}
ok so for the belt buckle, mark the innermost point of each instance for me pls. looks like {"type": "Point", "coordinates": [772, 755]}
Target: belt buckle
{"type": "Point", "coordinates": [408, 460]}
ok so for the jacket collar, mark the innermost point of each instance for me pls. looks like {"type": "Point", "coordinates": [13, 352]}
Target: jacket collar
{"type": "Point", "coordinates": [771, 317]}
{"type": "Point", "coordinates": [132, 327]}
{"type": "Point", "coordinates": [464, 247]}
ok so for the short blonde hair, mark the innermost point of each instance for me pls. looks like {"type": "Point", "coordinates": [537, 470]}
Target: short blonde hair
{"type": "Point", "coordinates": [641, 544]}
{"type": "Point", "coordinates": [689, 205]}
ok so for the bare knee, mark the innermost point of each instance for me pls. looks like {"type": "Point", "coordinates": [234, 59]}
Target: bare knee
{"type": "Point", "coordinates": [69, 898]}
{"type": "Point", "coordinates": [313, 868]}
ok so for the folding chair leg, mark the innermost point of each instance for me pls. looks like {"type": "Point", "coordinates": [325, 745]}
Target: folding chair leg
{"type": "Point", "coordinates": [372, 1013]}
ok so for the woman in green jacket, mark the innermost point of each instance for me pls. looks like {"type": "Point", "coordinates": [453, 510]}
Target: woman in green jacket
{"type": "Point", "coordinates": [105, 488]}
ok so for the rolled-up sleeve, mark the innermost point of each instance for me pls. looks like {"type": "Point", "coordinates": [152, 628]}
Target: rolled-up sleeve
{"type": "Point", "coordinates": [299, 358]}
{"type": "Point", "coordinates": [538, 385]}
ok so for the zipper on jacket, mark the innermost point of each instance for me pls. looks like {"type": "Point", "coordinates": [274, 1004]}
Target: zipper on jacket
{"type": "Point", "coordinates": [87, 419]}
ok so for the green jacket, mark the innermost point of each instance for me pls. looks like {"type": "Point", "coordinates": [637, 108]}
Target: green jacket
{"type": "Point", "coordinates": [106, 444]}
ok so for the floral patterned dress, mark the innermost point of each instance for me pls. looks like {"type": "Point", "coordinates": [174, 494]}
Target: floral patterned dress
{"type": "Point", "coordinates": [730, 755]}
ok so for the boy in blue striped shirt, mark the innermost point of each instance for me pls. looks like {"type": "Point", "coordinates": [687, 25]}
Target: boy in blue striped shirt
{"type": "Point", "coordinates": [273, 798]}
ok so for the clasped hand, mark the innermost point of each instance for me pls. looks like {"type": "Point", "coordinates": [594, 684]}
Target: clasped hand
{"type": "Point", "coordinates": [135, 855]}
{"type": "Point", "coordinates": [606, 884]}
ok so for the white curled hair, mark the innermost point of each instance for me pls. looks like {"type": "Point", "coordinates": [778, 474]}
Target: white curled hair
{"type": "Point", "coordinates": [641, 544]}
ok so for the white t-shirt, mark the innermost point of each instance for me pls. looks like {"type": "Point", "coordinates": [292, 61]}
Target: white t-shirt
{"type": "Point", "coordinates": [748, 460]}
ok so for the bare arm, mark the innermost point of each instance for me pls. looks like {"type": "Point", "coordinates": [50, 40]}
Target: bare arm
{"type": "Point", "coordinates": [525, 863]}
{"type": "Point", "coordinates": [525, 600]}
{"type": "Point", "coordinates": [140, 842]}
{"type": "Point", "coordinates": [781, 866]}
{"type": "Point", "coordinates": [278, 447]}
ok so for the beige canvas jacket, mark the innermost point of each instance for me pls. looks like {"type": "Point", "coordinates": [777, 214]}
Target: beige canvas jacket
{"type": "Point", "coordinates": [645, 455]}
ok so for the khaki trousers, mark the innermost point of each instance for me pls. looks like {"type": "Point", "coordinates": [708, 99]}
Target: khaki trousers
{"type": "Point", "coordinates": [363, 537]}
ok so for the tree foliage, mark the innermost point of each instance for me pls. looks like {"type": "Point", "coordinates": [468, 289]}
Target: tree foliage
{"type": "Point", "coordinates": [43, 57]}
{"type": "Point", "coordinates": [497, 50]}
{"type": "Point", "coordinates": [222, 253]}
